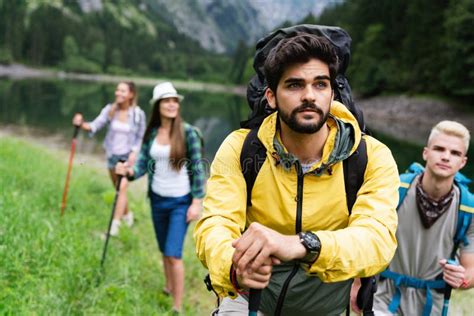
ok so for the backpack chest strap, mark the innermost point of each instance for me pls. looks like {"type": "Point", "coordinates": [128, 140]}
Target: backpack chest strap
{"type": "Point", "coordinates": [401, 280]}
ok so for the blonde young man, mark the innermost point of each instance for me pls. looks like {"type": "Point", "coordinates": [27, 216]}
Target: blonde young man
{"type": "Point", "coordinates": [297, 240]}
{"type": "Point", "coordinates": [428, 218]}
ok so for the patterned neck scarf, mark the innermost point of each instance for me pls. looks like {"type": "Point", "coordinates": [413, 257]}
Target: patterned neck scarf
{"type": "Point", "coordinates": [430, 210]}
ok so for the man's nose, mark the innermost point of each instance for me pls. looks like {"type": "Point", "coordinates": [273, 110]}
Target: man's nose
{"type": "Point", "coordinates": [445, 155]}
{"type": "Point", "coordinates": [308, 94]}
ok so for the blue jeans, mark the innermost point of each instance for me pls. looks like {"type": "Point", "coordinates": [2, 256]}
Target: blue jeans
{"type": "Point", "coordinates": [114, 159]}
{"type": "Point", "coordinates": [169, 221]}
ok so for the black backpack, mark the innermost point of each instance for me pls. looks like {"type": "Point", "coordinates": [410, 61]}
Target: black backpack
{"type": "Point", "coordinates": [257, 85]}
{"type": "Point", "coordinates": [253, 153]}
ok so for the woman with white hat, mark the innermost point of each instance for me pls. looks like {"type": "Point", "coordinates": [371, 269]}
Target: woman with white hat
{"type": "Point", "coordinates": [125, 123]}
{"type": "Point", "coordinates": [171, 155]}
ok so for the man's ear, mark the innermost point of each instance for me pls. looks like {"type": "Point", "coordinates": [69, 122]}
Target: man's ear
{"type": "Point", "coordinates": [425, 153]}
{"type": "Point", "coordinates": [271, 99]}
{"type": "Point", "coordinates": [463, 163]}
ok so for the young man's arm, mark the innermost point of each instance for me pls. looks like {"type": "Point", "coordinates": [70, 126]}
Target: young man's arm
{"type": "Point", "coordinates": [462, 276]}
{"type": "Point", "coordinates": [467, 261]}
{"type": "Point", "coordinates": [368, 244]}
{"type": "Point", "coordinates": [224, 214]}
{"type": "Point", "coordinates": [459, 276]}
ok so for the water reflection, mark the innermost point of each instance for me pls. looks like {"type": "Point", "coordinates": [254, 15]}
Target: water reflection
{"type": "Point", "coordinates": [50, 105]}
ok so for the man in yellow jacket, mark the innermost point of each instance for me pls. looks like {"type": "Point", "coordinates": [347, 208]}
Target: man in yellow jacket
{"type": "Point", "coordinates": [297, 240]}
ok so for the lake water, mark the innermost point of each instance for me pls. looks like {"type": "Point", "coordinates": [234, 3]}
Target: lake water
{"type": "Point", "coordinates": [46, 107]}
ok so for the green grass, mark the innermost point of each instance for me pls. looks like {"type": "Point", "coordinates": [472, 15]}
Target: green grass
{"type": "Point", "coordinates": [50, 265]}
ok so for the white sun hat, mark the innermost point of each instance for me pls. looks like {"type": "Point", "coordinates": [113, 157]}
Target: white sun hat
{"type": "Point", "coordinates": [164, 90]}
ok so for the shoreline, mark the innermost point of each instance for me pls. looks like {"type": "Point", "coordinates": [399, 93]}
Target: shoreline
{"type": "Point", "coordinates": [87, 152]}
{"type": "Point", "coordinates": [418, 114]}
{"type": "Point", "coordinates": [20, 72]}
{"type": "Point", "coordinates": [381, 113]}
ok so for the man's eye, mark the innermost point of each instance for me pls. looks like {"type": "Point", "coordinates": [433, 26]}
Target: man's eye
{"type": "Point", "coordinates": [321, 84]}
{"type": "Point", "coordinates": [294, 85]}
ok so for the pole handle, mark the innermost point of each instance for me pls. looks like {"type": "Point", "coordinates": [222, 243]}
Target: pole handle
{"type": "Point", "coordinates": [254, 301]}
{"type": "Point", "coordinates": [119, 177]}
{"type": "Point", "coordinates": [77, 128]}
{"type": "Point", "coordinates": [447, 291]}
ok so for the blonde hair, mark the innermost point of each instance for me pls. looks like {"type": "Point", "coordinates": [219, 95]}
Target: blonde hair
{"type": "Point", "coordinates": [451, 128]}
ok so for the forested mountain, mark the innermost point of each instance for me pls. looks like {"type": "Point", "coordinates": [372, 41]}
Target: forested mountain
{"type": "Point", "coordinates": [101, 36]}
{"type": "Point", "coordinates": [419, 46]}
{"type": "Point", "coordinates": [220, 24]}
{"type": "Point", "coordinates": [174, 38]}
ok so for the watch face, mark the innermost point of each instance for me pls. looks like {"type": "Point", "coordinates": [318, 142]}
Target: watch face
{"type": "Point", "coordinates": [313, 246]}
{"type": "Point", "coordinates": [311, 241]}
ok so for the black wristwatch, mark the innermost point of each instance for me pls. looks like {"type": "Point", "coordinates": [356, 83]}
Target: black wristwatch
{"type": "Point", "coordinates": [312, 244]}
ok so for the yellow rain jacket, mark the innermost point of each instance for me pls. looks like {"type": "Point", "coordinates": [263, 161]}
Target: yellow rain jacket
{"type": "Point", "coordinates": [358, 245]}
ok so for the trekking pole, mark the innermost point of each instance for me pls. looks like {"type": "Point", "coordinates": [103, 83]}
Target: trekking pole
{"type": "Point", "coordinates": [68, 175]}
{"type": "Point", "coordinates": [117, 190]}
{"type": "Point", "coordinates": [447, 293]}
{"type": "Point", "coordinates": [254, 301]}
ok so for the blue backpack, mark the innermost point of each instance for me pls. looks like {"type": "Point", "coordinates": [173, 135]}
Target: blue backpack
{"type": "Point", "coordinates": [465, 213]}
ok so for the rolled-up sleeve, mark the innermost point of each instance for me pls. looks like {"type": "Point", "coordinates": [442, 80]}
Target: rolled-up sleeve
{"type": "Point", "coordinates": [144, 162]}
{"type": "Point", "coordinates": [139, 132]}
{"type": "Point", "coordinates": [197, 164]}
{"type": "Point", "coordinates": [101, 120]}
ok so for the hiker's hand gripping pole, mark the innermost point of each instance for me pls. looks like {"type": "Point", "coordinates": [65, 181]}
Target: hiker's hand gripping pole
{"type": "Point", "coordinates": [117, 191]}
{"type": "Point", "coordinates": [451, 275]}
{"type": "Point", "coordinates": [256, 251]}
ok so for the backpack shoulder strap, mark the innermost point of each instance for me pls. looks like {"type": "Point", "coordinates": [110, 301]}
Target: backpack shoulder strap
{"type": "Point", "coordinates": [252, 158]}
{"type": "Point", "coordinates": [406, 179]}
{"type": "Point", "coordinates": [466, 203]}
{"type": "Point", "coordinates": [465, 213]}
{"type": "Point", "coordinates": [354, 170]}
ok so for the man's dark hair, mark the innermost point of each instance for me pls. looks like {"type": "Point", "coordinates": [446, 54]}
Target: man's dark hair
{"type": "Point", "coordinates": [299, 49]}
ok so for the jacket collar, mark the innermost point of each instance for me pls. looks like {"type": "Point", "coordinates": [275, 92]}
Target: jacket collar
{"type": "Point", "coordinates": [344, 136]}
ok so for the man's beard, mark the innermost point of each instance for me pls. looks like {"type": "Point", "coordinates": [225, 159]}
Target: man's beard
{"type": "Point", "coordinates": [309, 128]}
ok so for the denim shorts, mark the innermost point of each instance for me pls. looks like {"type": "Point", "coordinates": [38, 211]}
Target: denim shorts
{"type": "Point", "coordinates": [112, 160]}
{"type": "Point", "coordinates": [169, 221]}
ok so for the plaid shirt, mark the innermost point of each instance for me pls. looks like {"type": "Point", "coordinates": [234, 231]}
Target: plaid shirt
{"type": "Point", "coordinates": [194, 161]}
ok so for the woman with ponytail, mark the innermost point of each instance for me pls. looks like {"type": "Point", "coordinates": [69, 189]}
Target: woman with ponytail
{"type": "Point", "coordinates": [125, 123]}
{"type": "Point", "coordinates": [171, 155]}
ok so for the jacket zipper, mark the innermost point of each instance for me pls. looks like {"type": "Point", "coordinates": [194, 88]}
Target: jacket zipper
{"type": "Point", "coordinates": [298, 227]}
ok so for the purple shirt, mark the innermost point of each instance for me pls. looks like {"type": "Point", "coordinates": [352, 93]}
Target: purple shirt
{"type": "Point", "coordinates": [136, 121]}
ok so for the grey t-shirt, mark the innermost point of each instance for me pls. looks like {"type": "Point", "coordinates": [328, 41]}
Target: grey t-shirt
{"type": "Point", "coordinates": [419, 250]}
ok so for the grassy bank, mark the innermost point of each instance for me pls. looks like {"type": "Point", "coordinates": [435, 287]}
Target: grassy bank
{"type": "Point", "coordinates": [50, 265]}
